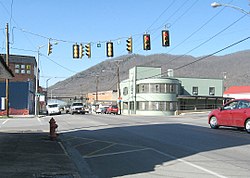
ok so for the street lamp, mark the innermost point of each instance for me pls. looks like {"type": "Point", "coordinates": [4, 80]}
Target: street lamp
{"type": "Point", "coordinates": [216, 4]}
{"type": "Point", "coordinates": [37, 77]}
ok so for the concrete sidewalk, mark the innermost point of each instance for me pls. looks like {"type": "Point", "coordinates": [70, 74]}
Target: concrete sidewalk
{"type": "Point", "coordinates": [34, 155]}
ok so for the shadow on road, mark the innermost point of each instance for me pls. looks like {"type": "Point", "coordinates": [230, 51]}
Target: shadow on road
{"type": "Point", "coordinates": [138, 149]}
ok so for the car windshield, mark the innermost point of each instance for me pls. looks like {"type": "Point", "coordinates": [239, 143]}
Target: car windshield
{"type": "Point", "coordinates": [114, 106]}
{"type": "Point", "coordinates": [77, 104]}
{"type": "Point", "coordinates": [53, 105]}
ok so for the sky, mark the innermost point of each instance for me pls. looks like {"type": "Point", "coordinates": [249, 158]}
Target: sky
{"type": "Point", "coordinates": [195, 29]}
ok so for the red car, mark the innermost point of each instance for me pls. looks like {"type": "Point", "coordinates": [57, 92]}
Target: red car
{"type": "Point", "coordinates": [112, 109]}
{"type": "Point", "coordinates": [235, 113]}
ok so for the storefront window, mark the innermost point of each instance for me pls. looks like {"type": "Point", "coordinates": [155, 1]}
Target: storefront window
{"type": "Point", "coordinates": [156, 106]}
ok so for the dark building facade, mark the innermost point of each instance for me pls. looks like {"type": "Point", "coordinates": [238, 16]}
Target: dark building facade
{"type": "Point", "coordinates": [21, 86]}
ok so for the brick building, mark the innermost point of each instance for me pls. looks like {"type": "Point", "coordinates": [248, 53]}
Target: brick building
{"type": "Point", "coordinates": [103, 97]}
{"type": "Point", "coordinates": [22, 85]}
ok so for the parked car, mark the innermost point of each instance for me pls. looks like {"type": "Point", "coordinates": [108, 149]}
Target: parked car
{"type": "Point", "coordinates": [104, 110]}
{"type": "Point", "coordinates": [98, 110]}
{"type": "Point", "coordinates": [113, 109]}
{"type": "Point", "coordinates": [67, 108]}
{"type": "Point", "coordinates": [235, 113]}
{"type": "Point", "coordinates": [101, 110]}
{"type": "Point", "coordinates": [86, 109]}
{"type": "Point", "coordinates": [53, 108]}
{"type": "Point", "coordinates": [77, 107]}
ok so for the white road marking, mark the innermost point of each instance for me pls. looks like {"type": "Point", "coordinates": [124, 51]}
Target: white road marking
{"type": "Point", "coordinates": [157, 151]}
{"type": "Point", "coordinates": [101, 149]}
{"type": "Point", "coordinates": [81, 144]}
{"type": "Point", "coordinates": [190, 164]}
{"type": "Point", "coordinates": [116, 153]}
{"type": "Point", "coordinates": [64, 150]}
{"type": "Point", "coordinates": [4, 122]}
{"type": "Point", "coordinates": [39, 121]}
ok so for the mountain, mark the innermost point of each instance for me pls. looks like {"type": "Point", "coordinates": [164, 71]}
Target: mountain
{"type": "Point", "coordinates": [234, 67]}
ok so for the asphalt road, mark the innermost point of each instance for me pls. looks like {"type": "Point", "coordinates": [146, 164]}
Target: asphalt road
{"type": "Point", "coordinates": [136, 146]}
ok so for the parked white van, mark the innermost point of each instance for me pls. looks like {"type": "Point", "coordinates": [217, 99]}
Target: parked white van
{"type": "Point", "coordinates": [53, 108]}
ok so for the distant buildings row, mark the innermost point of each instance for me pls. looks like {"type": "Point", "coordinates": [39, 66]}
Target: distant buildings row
{"type": "Point", "coordinates": [145, 92]}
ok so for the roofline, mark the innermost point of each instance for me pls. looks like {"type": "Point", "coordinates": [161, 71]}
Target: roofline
{"type": "Point", "coordinates": [6, 67]}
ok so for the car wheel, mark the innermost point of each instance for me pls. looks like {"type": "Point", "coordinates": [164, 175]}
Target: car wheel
{"type": "Point", "coordinates": [214, 123]}
{"type": "Point", "coordinates": [247, 125]}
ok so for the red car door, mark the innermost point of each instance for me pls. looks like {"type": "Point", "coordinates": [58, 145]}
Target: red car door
{"type": "Point", "coordinates": [225, 116]}
{"type": "Point", "coordinates": [240, 114]}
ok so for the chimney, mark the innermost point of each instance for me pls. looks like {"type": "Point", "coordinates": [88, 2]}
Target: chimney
{"type": "Point", "coordinates": [170, 73]}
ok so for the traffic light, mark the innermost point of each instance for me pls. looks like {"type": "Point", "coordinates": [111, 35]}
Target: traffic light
{"type": "Point", "coordinates": [110, 52]}
{"type": "Point", "coordinates": [129, 45]}
{"type": "Point", "coordinates": [165, 38]}
{"type": "Point", "coordinates": [81, 51]}
{"type": "Point", "coordinates": [76, 51]}
{"type": "Point", "coordinates": [88, 50]}
{"type": "Point", "coordinates": [49, 48]}
{"type": "Point", "coordinates": [146, 42]}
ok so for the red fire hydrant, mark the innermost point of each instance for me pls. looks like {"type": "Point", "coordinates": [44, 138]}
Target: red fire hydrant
{"type": "Point", "coordinates": [52, 130]}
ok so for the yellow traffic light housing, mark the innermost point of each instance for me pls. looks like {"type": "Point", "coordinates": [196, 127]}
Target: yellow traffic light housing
{"type": "Point", "coordinates": [88, 50]}
{"type": "Point", "coordinates": [129, 45]}
{"type": "Point", "coordinates": [76, 51]}
{"type": "Point", "coordinates": [49, 48]}
{"type": "Point", "coordinates": [146, 42]}
{"type": "Point", "coordinates": [165, 38]}
{"type": "Point", "coordinates": [110, 52]}
{"type": "Point", "coordinates": [81, 50]}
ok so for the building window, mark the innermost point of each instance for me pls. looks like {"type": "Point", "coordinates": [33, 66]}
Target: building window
{"type": "Point", "coordinates": [17, 66]}
{"type": "Point", "coordinates": [28, 72]}
{"type": "Point", "coordinates": [211, 90]}
{"type": "Point", "coordinates": [23, 71]}
{"type": "Point", "coordinates": [22, 66]}
{"type": "Point", "coordinates": [143, 88]}
{"type": "Point", "coordinates": [125, 90]}
{"type": "Point", "coordinates": [172, 88]}
{"type": "Point", "coordinates": [125, 105]}
{"type": "Point", "coordinates": [154, 88]}
{"type": "Point", "coordinates": [163, 88]}
{"type": "Point", "coordinates": [195, 91]}
{"type": "Point", "coordinates": [28, 67]}
{"type": "Point", "coordinates": [17, 71]}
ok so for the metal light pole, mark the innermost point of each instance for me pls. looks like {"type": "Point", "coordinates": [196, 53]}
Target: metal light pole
{"type": "Point", "coordinates": [37, 73]}
{"type": "Point", "coordinates": [118, 85]}
{"type": "Point", "coordinates": [37, 77]}
{"type": "Point", "coordinates": [216, 4]}
{"type": "Point", "coordinates": [7, 63]}
{"type": "Point", "coordinates": [96, 89]}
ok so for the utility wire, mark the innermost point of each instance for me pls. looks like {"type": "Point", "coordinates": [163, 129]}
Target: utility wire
{"type": "Point", "coordinates": [200, 59]}
{"type": "Point", "coordinates": [208, 39]}
{"type": "Point", "coordinates": [58, 63]}
{"type": "Point", "coordinates": [161, 15]}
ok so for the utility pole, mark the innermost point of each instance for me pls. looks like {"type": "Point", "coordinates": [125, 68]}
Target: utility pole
{"type": "Point", "coordinates": [118, 86]}
{"type": "Point", "coordinates": [7, 63]}
{"type": "Point", "coordinates": [117, 62]}
{"type": "Point", "coordinates": [96, 91]}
